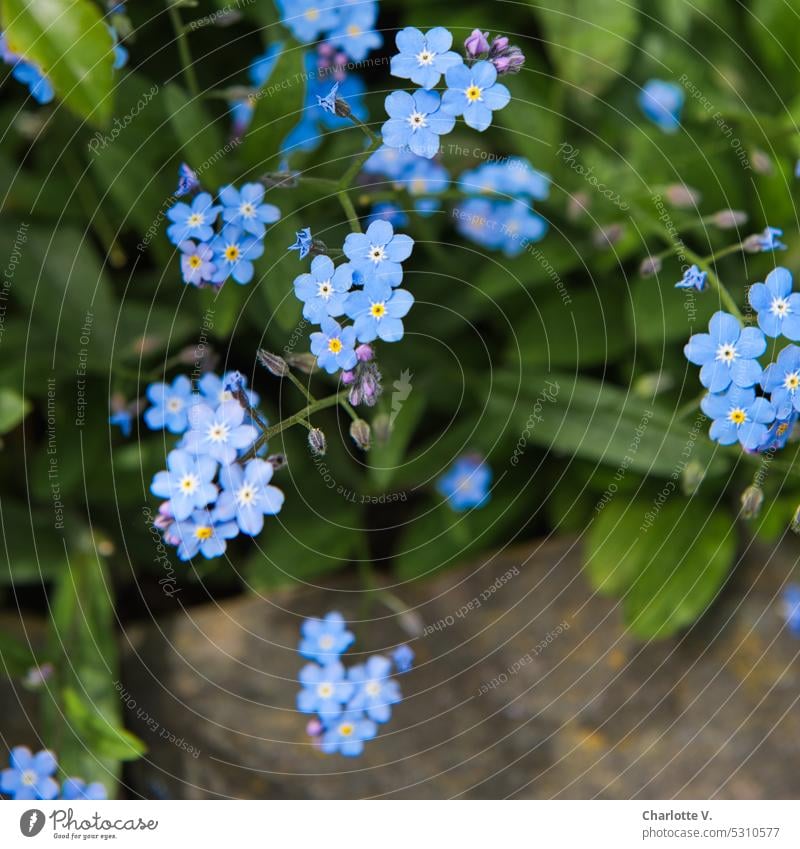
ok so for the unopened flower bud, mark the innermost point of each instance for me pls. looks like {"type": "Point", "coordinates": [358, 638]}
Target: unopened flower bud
{"type": "Point", "coordinates": [273, 363]}
{"type": "Point", "coordinates": [607, 237]}
{"type": "Point", "coordinates": [681, 196]}
{"type": "Point", "coordinates": [360, 432]}
{"type": "Point", "coordinates": [752, 499]}
{"type": "Point", "coordinates": [317, 442]}
{"type": "Point", "coordinates": [314, 728]}
{"type": "Point", "coordinates": [761, 163]}
{"type": "Point", "coordinates": [578, 205]}
{"type": "Point", "coordinates": [365, 353]}
{"type": "Point", "coordinates": [510, 62]}
{"type": "Point", "coordinates": [347, 377]}
{"type": "Point", "coordinates": [306, 363]}
{"type": "Point", "coordinates": [728, 219]}
{"type": "Point", "coordinates": [692, 477]}
{"type": "Point", "coordinates": [277, 461]}
{"type": "Point", "coordinates": [477, 42]}
{"type": "Point", "coordinates": [650, 266]}
{"type": "Point", "coordinates": [342, 108]}
{"type": "Point", "coordinates": [499, 44]}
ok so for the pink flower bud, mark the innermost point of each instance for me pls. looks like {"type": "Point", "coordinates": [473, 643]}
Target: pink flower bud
{"type": "Point", "coordinates": [476, 43]}
{"type": "Point", "coordinates": [365, 353]}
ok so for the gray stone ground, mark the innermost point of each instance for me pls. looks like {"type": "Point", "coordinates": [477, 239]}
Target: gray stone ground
{"type": "Point", "coordinates": [592, 712]}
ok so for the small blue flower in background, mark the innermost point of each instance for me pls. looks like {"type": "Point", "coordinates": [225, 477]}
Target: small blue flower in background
{"type": "Point", "coordinates": [247, 495]}
{"type": "Point", "coordinates": [378, 310]}
{"type": "Point", "coordinates": [188, 181]}
{"type": "Point", "coordinates": [727, 353]}
{"type": "Point", "coordinates": [334, 346]}
{"type": "Point", "coordinates": [171, 403]}
{"type": "Point", "coordinates": [325, 690]}
{"type": "Point", "coordinates": [39, 87]}
{"type": "Point", "coordinates": [123, 419]}
{"type": "Point", "coordinates": [391, 161]}
{"type": "Point", "coordinates": [76, 788]}
{"type": "Point", "coordinates": [328, 102]}
{"type": "Point", "coordinates": [324, 640]}
{"type": "Point", "coordinates": [375, 692]}
{"type": "Point", "coordinates": [777, 306]}
{"type": "Point", "coordinates": [693, 278]}
{"type": "Point", "coordinates": [779, 432]}
{"type": "Point", "coordinates": [782, 380]}
{"type": "Point", "coordinates": [466, 484]}
{"type": "Point", "coordinates": [303, 242]}
{"type": "Point", "coordinates": [377, 254]}
{"type": "Point", "coordinates": [519, 226]}
{"type": "Point", "coordinates": [425, 177]}
{"type": "Point", "coordinates": [193, 221]}
{"type": "Point", "coordinates": [474, 93]}
{"type": "Point", "coordinates": [245, 208]}
{"type": "Point", "coordinates": [324, 290]}
{"type": "Point", "coordinates": [738, 416]}
{"type": "Point", "coordinates": [29, 776]}
{"type": "Point", "coordinates": [423, 58]}
{"type": "Point", "coordinates": [347, 735]}
{"type": "Point", "coordinates": [477, 219]}
{"type": "Point", "coordinates": [662, 102]}
{"type": "Point", "coordinates": [196, 265]}
{"type": "Point", "coordinates": [415, 122]}
{"type": "Point", "coordinates": [515, 177]}
{"type": "Point", "coordinates": [187, 483]}
{"type": "Point", "coordinates": [203, 531]}
{"type": "Point", "coordinates": [791, 607]}
{"type": "Point", "coordinates": [765, 241]}
{"type": "Point", "coordinates": [388, 211]}
{"type": "Point", "coordinates": [218, 433]}
{"type": "Point", "coordinates": [234, 252]}
{"type": "Point", "coordinates": [355, 33]}
{"type": "Point", "coordinates": [403, 657]}
{"type": "Point", "coordinates": [308, 19]}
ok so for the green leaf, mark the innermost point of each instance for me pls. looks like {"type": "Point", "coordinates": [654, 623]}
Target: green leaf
{"type": "Point", "coordinates": [278, 109]}
{"type": "Point", "coordinates": [13, 409]}
{"type": "Point", "coordinates": [667, 560]}
{"type": "Point", "coordinates": [590, 41]}
{"type": "Point", "coordinates": [69, 41]}
{"type": "Point", "coordinates": [84, 717]}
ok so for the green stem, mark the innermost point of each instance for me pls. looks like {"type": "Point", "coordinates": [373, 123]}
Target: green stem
{"type": "Point", "coordinates": [358, 163]}
{"type": "Point", "coordinates": [349, 209]}
{"type": "Point", "coordinates": [184, 53]}
{"type": "Point", "coordinates": [301, 386]}
{"type": "Point", "coordinates": [705, 264]}
{"type": "Point", "coordinates": [298, 418]}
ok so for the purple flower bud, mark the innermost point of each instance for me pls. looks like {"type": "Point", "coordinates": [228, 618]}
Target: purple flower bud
{"type": "Point", "coordinates": [360, 432]}
{"type": "Point", "coordinates": [314, 728]}
{"type": "Point", "coordinates": [499, 44]}
{"type": "Point", "coordinates": [476, 43]}
{"type": "Point", "coordinates": [650, 266]}
{"type": "Point", "coordinates": [273, 363]}
{"type": "Point", "coordinates": [348, 377]}
{"type": "Point", "coordinates": [317, 443]}
{"type": "Point", "coordinates": [510, 62]}
{"type": "Point", "coordinates": [355, 397]}
{"type": "Point", "coordinates": [365, 353]}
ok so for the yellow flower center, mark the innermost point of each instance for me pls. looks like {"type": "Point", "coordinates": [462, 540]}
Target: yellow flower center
{"type": "Point", "coordinates": [195, 261]}
{"type": "Point", "coordinates": [311, 14]}
{"type": "Point", "coordinates": [325, 691]}
{"type": "Point", "coordinates": [781, 429]}
{"type": "Point", "coordinates": [737, 415]}
{"type": "Point", "coordinates": [189, 484]}
{"type": "Point", "coordinates": [232, 253]}
{"type": "Point", "coordinates": [346, 729]}
{"type": "Point", "coordinates": [204, 532]}
{"type": "Point", "coordinates": [353, 30]}
{"type": "Point", "coordinates": [473, 93]}
{"type": "Point", "coordinates": [418, 186]}
{"type": "Point", "coordinates": [792, 381]}
{"type": "Point", "coordinates": [335, 345]}
{"type": "Point", "coordinates": [378, 310]}
{"type": "Point", "coordinates": [326, 642]}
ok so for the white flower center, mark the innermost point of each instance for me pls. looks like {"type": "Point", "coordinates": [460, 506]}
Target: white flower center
{"type": "Point", "coordinates": [28, 778]}
{"type": "Point", "coordinates": [376, 253]}
{"type": "Point", "coordinates": [188, 484]}
{"type": "Point", "coordinates": [416, 120]}
{"type": "Point", "coordinates": [175, 405]}
{"type": "Point", "coordinates": [326, 642]}
{"type": "Point", "coordinates": [218, 432]}
{"type": "Point", "coordinates": [224, 395]}
{"type": "Point", "coordinates": [780, 307]}
{"type": "Point", "coordinates": [373, 688]}
{"type": "Point", "coordinates": [325, 290]}
{"type": "Point", "coordinates": [726, 353]}
{"type": "Point", "coordinates": [247, 495]}
{"type": "Point", "coordinates": [196, 219]}
{"type": "Point", "coordinates": [792, 381]}
{"type": "Point", "coordinates": [426, 57]}
{"type": "Point", "coordinates": [247, 210]}
{"type": "Point", "coordinates": [325, 690]}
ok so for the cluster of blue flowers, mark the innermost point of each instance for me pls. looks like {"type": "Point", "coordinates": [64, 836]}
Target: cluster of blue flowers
{"type": "Point", "coordinates": [466, 483]}
{"type": "Point", "coordinates": [377, 306]}
{"type": "Point", "coordinates": [417, 121]}
{"type": "Point", "coordinates": [30, 776]}
{"type": "Point", "coordinates": [728, 356]}
{"type": "Point", "coordinates": [506, 221]}
{"type": "Point", "coordinates": [348, 27]}
{"type": "Point", "coordinates": [213, 493]}
{"type": "Point", "coordinates": [348, 704]}
{"type": "Point", "coordinates": [210, 255]}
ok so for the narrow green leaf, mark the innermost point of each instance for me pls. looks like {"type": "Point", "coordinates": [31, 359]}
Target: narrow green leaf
{"type": "Point", "coordinates": [13, 409]}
